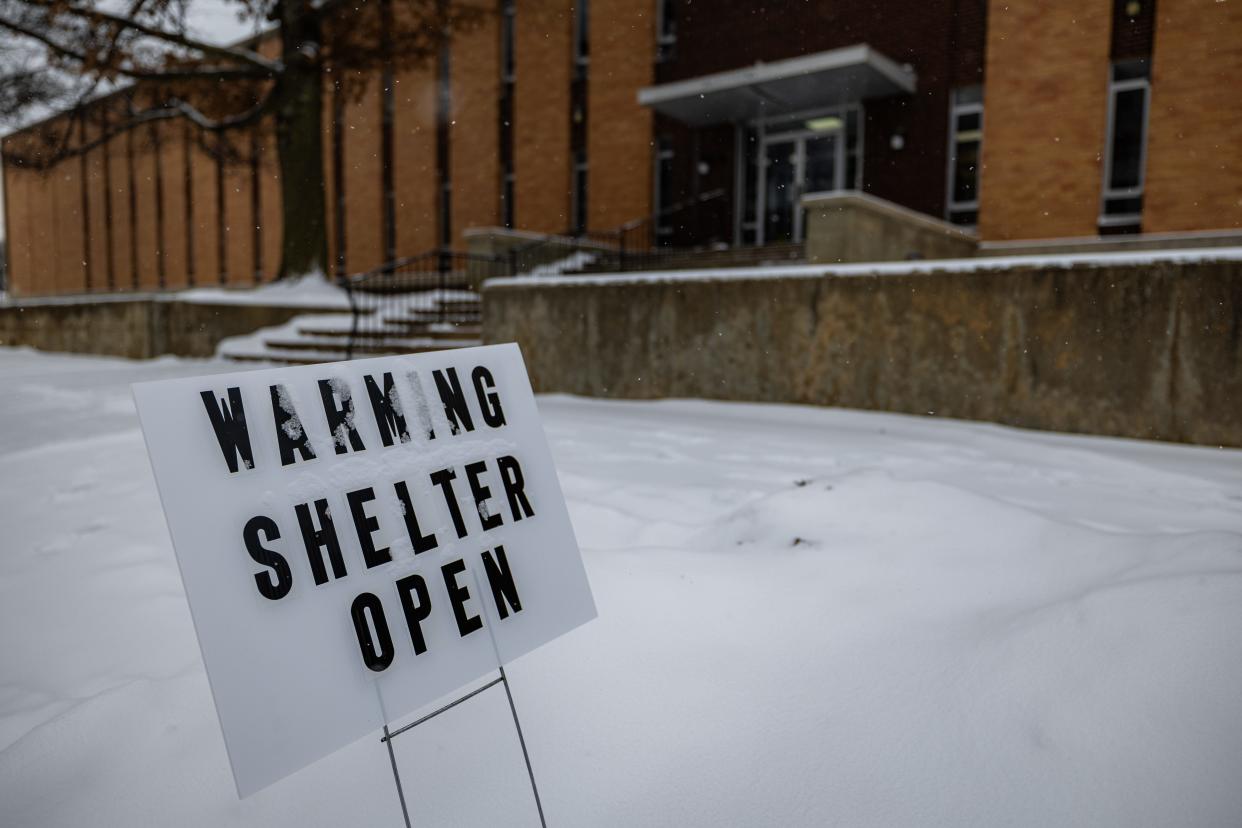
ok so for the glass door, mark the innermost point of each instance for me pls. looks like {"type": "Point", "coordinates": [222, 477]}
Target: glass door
{"type": "Point", "coordinates": [819, 171]}
{"type": "Point", "coordinates": [780, 191]}
{"type": "Point", "coordinates": [793, 164]}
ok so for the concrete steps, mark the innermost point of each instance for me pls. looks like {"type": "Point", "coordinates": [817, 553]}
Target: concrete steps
{"type": "Point", "coordinates": [388, 330]}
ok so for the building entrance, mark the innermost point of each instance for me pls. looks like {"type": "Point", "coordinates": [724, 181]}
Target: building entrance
{"type": "Point", "coordinates": [809, 158]}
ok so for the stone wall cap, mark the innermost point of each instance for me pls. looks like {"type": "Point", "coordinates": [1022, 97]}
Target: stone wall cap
{"type": "Point", "coordinates": [923, 267]}
{"type": "Point", "coordinates": [838, 199]}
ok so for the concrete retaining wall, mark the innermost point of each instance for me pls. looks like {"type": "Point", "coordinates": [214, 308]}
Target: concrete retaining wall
{"type": "Point", "coordinates": [1151, 351]}
{"type": "Point", "coordinates": [138, 328]}
{"type": "Point", "coordinates": [857, 227]}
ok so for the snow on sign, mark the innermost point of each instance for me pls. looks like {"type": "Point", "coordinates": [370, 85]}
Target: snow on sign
{"type": "Point", "coordinates": [393, 522]}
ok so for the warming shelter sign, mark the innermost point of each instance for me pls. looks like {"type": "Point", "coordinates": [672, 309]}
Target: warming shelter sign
{"type": "Point", "coordinates": [393, 521]}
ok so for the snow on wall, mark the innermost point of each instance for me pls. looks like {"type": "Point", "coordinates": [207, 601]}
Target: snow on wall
{"type": "Point", "coordinates": [883, 268]}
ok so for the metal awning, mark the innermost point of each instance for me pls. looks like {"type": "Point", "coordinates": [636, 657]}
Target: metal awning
{"type": "Point", "coordinates": [823, 79]}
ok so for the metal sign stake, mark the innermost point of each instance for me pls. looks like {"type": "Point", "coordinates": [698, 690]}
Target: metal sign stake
{"type": "Point", "coordinates": [522, 741]}
{"type": "Point", "coordinates": [389, 735]}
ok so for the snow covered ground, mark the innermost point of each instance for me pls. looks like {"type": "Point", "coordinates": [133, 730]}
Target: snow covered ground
{"type": "Point", "coordinates": [807, 617]}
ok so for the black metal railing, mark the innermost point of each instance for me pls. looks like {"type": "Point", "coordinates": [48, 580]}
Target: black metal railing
{"type": "Point", "coordinates": [433, 298]}
{"type": "Point", "coordinates": [620, 248]}
{"type": "Point", "coordinates": [417, 301]}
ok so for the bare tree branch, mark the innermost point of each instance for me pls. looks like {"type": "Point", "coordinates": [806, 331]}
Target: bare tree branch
{"type": "Point", "coordinates": [234, 53]}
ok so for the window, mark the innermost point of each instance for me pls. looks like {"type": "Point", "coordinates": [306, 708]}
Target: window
{"type": "Point", "coordinates": [965, 144]}
{"type": "Point", "coordinates": [444, 106]}
{"type": "Point", "coordinates": [853, 150]}
{"type": "Point", "coordinates": [506, 41]}
{"type": "Point", "coordinates": [506, 200]}
{"type": "Point", "coordinates": [1129, 94]}
{"type": "Point", "coordinates": [507, 75]}
{"type": "Point", "coordinates": [582, 36]}
{"type": "Point", "coordinates": [663, 189]}
{"type": "Point", "coordinates": [580, 192]}
{"type": "Point", "coordinates": [666, 29]}
{"type": "Point", "coordinates": [578, 115]}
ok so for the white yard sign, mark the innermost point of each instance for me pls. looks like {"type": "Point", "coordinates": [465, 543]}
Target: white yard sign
{"type": "Point", "coordinates": [393, 521]}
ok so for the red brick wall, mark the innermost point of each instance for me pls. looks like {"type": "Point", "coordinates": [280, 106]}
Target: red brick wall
{"type": "Point", "coordinates": [364, 217]}
{"type": "Point", "coordinates": [172, 173]}
{"type": "Point", "coordinates": [1045, 107]}
{"type": "Point", "coordinates": [474, 154]}
{"type": "Point", "coordinates": [145, 226]}
{"type": "Point", "coordinates": [96, 197]}
{"type": "Point", "coordinates": [619, 151]}
{"type": "Point", "coordinates": [414, 162]}
{"type": "Point", "coordinates": [271, 219]}
{"type": "Point", "coordinates": [204, 216]}
{"type": "Point", "coordinates": [18, 232]}
{"type": "Point", "coordinates": [541, 163]}
{"type": "Point", "coordinates": [238, 218]}
{"type": "Point", "coordinates": [70, 240]}
{"type": "Point", "coordinates": [1194, 149]}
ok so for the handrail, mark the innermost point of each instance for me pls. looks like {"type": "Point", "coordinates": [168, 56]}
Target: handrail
{"type": "Point", "coordinates": [437, 255]}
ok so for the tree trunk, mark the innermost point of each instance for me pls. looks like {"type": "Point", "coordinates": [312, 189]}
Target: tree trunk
{"type": "Point", "coordinates": [299, 142]}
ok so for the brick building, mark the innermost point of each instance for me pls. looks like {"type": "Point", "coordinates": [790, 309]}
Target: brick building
{"type": "Point", "coordinates": [707, 120]}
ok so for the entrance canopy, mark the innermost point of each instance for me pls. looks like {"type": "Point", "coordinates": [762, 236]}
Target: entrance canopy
{"type": "Point", "coordinates": [822, 79]}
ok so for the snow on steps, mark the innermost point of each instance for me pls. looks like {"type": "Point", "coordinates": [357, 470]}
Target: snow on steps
{"type": "Point", "coordinates": [452, 322]}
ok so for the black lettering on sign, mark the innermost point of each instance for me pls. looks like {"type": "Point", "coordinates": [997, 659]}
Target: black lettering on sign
{"type": "Point", "coordinates": [455, 407]}
{"type": "Point", "coordinates": [444, 479]}
{"type": "Point", "coordinates": [340, 418]}
{"type": "Point", "coordinates": [416, 612]}
{"type": "Point", "coordinates": [489, 403]}
{"type": "Point", "coordinates": [290, 435]}
{"type": "Point", "coordinates": [366, 526]}
{"type": "Point", "coordinates": [377, 651]}
{"type": "Point", "coordinates": [500, 579]}
{"type": "Point", "coordinates": [458, 596]}
{"type": "Point", "coordinates": [422, 411]}
{"type": "Point", "coordinates": [511, 477]}
{"type": "Point", "coordinates": [389, 415]}
{"type": "Point", "coordinates": [420, 542]}
{"type": "Point", "coordinates": [317, 539]}
{"type": "Point", "coordinates": [276, 584]}
{"type": "Point", "coordinates": [481, 495]}
{"type": "Point", "coordinates": [228, 420]}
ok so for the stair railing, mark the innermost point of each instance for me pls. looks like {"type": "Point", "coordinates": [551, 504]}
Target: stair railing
{"type": "Point", "coordinates": [395, 301]}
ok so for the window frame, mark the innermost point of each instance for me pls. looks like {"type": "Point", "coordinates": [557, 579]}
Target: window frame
{"type": "Point", "coordinates": [579, 193]}
{"type": "Point", "coordinates": [1107, 191]}
{"type": "Point", "coordinates": [663, 152]}
{"type": "Point", "coordinates": [666, 29]}
{"type": "Point", "coordinates": [957, 108]}
{"type": "Point", "coordinates": [582, 36]}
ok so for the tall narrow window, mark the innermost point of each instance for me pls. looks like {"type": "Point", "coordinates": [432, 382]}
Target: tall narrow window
{"type": "Point", "coordinates": [444, 106]}
{"type": "Point", "coordinates": [663, 189]}
{"type": "Point", "coordinates": [580, 192]}
{"type": "Point", "coordinates": [507, 77]}
{"type": "Point", "coordinates": [582, 35]}
{"type": "Point", "coordinates": [666, 29]}
{"type": "Point", "coordinates": [965, 144]}
{"type": "Point", "coordinates": [578, 114]}
{"type": "Point", "coordinates": [506, 41]}
{"type": "Point", "coordinates": [1129, 93]}
{"type": "Point", "coordinates": [853, 150]}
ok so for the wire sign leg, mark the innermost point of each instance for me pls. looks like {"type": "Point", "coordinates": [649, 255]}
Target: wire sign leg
{"type": "Point", "coordinates": [522, 741]}
{"type": "Point", "coordinates": [392, 757]}
{"type": "Point", "coordinates": [389, 735]}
